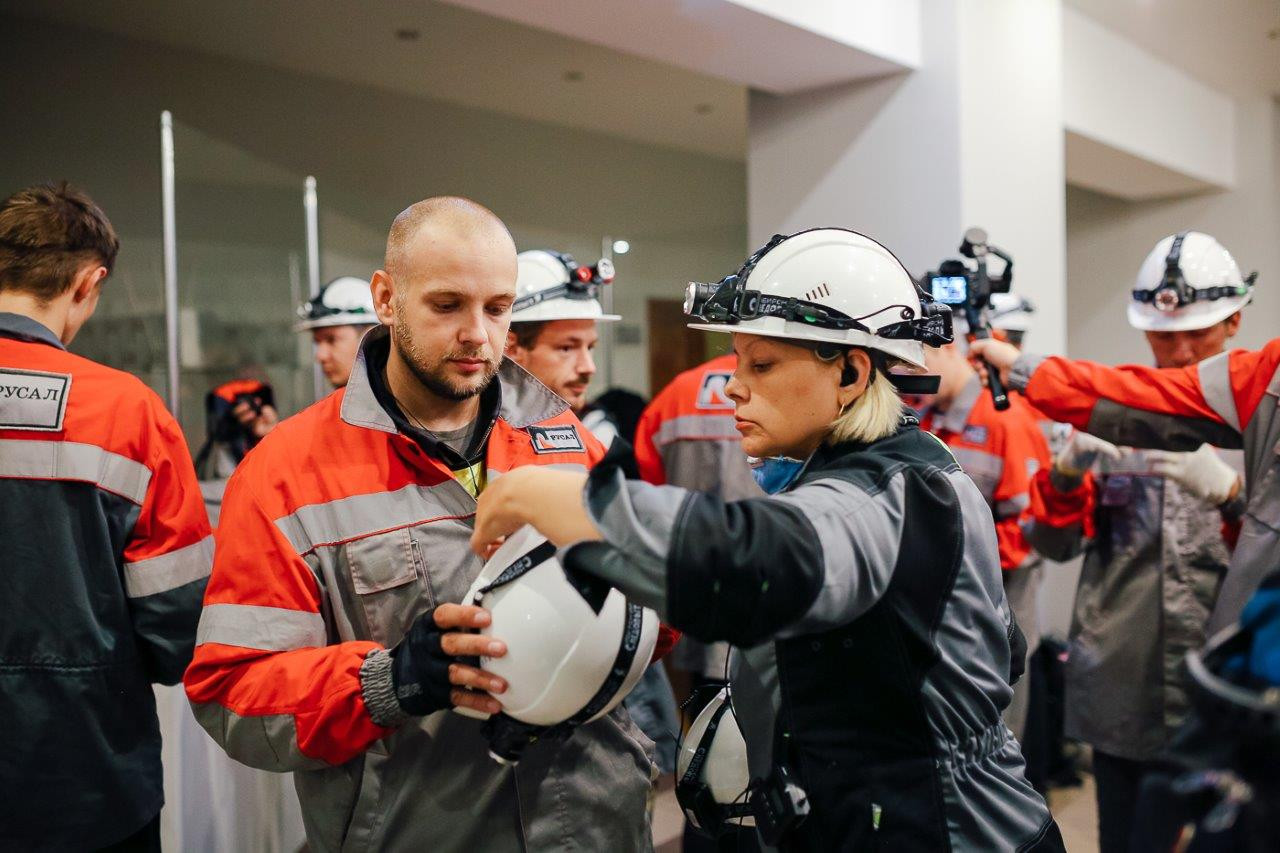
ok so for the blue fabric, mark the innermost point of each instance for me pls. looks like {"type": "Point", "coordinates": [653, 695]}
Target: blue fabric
{"type": "Point", "coordinates": [775, 473]}
{"type": "Point", "coordinates": [652, 706]}
{"type": "Point", "coordinates": [1262, 616]}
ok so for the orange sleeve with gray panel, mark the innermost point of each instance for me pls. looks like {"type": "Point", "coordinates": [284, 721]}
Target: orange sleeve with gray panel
{"type": "Point", "coordinates": [1227, 401]}
{"type": "Point", "coordinates": [319, 521]}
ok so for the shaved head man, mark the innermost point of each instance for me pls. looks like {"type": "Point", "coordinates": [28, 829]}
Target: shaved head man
{"type": "Point", "coordinates": [446, 292]}
{"type": "Point", "coordinates": [334, 625]}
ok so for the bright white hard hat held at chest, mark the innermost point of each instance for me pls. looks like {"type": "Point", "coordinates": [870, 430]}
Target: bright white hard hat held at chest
{"type": "Point", "coordinates": [560, 651]}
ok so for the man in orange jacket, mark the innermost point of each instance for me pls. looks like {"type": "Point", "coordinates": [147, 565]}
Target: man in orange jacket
{"type": "Point", "coordinates": [106, 548]}
{"type": "Point", "coordinates": [1001, 452]}
{"type": "Point", "coordinates": [329, 645]}
{"type": "Point", "coordinates": [1228, 401]}
{"type": "Point", "coordinates": [686, 437]}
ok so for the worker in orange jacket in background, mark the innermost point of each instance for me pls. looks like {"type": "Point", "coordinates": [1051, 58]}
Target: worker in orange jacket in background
{"type": "Point", "coordinates": [1001, 452]}
{"type": "Point", "coordinates": [686, 438]}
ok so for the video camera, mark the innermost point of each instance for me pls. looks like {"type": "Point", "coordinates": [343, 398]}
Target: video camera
{"type": "Point", "coordinates": [969, 290]}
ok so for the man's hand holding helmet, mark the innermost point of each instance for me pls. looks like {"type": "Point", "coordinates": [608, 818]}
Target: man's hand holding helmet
{"type": "Point", "coordinates": [427, 671]}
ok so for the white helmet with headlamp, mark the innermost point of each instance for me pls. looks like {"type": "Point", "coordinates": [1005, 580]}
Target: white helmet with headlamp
{"type": "Point", "coordinates": [345, 301]}
{"type": "Point", "coordinates": [553, 286]}
{"type": "Point", "coordinates": [1189, 281]}
{"type": "Point", "coordinates": [826, 285]}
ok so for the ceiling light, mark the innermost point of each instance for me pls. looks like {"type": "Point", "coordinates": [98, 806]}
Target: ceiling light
{"type": "Point", "coordinates": [621, 247]}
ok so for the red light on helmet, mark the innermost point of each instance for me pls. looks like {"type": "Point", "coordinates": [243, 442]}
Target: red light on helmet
{"type": "Point", "coordinates": [583, 274]}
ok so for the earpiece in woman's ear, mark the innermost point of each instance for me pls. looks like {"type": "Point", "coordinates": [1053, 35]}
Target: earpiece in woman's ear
{"type": "Point", "coordinates": [849, 375]}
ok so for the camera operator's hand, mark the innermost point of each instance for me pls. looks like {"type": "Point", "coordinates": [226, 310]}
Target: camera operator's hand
{"type": "Point", "coordinates": [426, 671]}
{"type": "Point", "coordinates": [998, 354]}
{"type": "Point", "coordinates": [257, 422]}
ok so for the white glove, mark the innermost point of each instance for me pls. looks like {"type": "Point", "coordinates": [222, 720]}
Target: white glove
{"type": "Point", "coordinates": [1201, 473]}
{"type": "Point", "coordinates": [1082, 451]}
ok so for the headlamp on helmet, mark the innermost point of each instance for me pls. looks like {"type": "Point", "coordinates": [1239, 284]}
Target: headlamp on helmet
{"type": "Point", "coordinates": [729, 302]}
{"type": "Point", "coordinates": [1174, 291]}
{"type": "Point", "coordinates": [584, 282]}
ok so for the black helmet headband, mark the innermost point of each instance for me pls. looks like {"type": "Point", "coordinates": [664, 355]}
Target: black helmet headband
{"type": "Point", "coordinates": [1175, 292]}
{"type": "Point", "coordinates": [584, 282]}
{"type": "Point", "coordinates": [729, 302]}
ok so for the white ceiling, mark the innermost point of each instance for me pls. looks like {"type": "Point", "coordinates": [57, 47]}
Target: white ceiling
{"type": "Point", "coordinates": [472, 59]}
{"type": "Point", "coordinates": [1223, 43]}
{"type": "Point", "coordinates": [459, 56]}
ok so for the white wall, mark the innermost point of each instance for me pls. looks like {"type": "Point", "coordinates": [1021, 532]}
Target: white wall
{"type": "Point", "coordinates": [1107, 239]}
{"type": "Point", "coordinates": [1011, 166]}
{"type": "Point", "coordinates": [1120, 97]}
{"type": "Point", "coordinates": [972, 137]}
{"type": "Point", "coordinates": [880, 156]}
{"type": "Point", "coordinates": [85, 106]}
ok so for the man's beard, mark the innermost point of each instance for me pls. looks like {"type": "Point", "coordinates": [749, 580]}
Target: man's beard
{"type": "Point", "coordinates": [433, 376]}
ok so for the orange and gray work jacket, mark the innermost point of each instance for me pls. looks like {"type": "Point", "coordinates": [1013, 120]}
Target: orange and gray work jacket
{"type": "Point", "coordinates": [106, 551]}
{"type": "Point", "coordinates": [1154, 556]}
{"type": "Point", "coordinates": [338, 530]}
{"type": "Point", "coordinates": [686, 436]}
{"type": "Point", "coordinates": [1001, 452]}
{"type": "Point", "coordinates": [1228, 401]}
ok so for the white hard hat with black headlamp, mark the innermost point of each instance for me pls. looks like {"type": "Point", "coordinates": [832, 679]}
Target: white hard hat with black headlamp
{"type": "Point", "coordinates": [1188, 281]}
{"type": "Point", "coordinates": [833, 288]}
{"type": "Point", "coordinates": [553, 286]}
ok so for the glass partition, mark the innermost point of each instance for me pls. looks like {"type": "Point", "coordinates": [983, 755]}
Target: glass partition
{"type": "Point", "coordinates": [241, 272]}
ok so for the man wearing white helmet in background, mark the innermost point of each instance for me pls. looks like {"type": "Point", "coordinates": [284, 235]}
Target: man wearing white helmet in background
{"type": "Point", "coordinates": [337, 318]}
{"type": "Point", "coordinates": [1010, 313]}
{"type": "Point", "coordinates": [1150, 524]}
{"type": "Point", "coordinates": [553, 333]}
{"type": "Point", "coordinates": [553, 321]}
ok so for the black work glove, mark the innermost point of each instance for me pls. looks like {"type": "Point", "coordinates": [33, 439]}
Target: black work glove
{"type": "Point", "coordinates": [420, 668]}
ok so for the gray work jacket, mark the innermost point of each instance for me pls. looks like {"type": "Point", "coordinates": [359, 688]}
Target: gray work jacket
{"type": "Point", "coordinates": [1150, 577]}
{"type": "Point", "coordinates": [867, 603]}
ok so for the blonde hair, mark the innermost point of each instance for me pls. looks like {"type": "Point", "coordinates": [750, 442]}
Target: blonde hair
{"type": "Point", "coordinates": [873, 416]}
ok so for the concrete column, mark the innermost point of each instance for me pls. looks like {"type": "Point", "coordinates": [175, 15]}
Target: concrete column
{"type": "Point", "coordinates": [972, 137]}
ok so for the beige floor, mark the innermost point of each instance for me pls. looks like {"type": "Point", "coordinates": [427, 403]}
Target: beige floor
{"type": "Point", "coordinates": [1075, 809]}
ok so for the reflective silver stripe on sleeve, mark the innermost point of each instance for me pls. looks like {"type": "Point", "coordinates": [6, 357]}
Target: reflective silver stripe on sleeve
{"type": "Point", "coordinates": [1014, 506]}
{"type": "Point", "coordinates": [694, 427]}
{"type": "Point", "coordinates": [1215, 385]}
{"type": "Point", "coordinates": [363, 515]}
{"type": "Point", "coordinates": [70, 460]}
{"type": "Point", "coordinates": [272, 629]}
{"type": "Point", "coordinates": [169, 571]}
